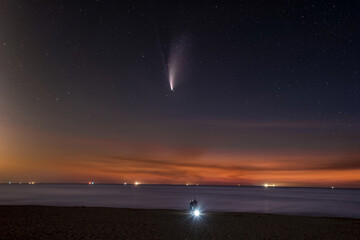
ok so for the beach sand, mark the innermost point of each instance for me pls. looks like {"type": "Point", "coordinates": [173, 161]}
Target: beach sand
{"type": "Point", "coordinates": [37, 222]}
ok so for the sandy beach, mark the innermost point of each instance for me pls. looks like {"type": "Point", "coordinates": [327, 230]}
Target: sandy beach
{"type": "Point", "coordinates": [41, 222]}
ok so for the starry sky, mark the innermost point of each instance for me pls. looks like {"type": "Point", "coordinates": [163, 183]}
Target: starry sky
{"type": "Point", "coordinates": [263, 92]}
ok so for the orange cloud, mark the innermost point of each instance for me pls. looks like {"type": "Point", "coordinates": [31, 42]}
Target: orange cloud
{"type": "Point", "coordinates": [33, 155]}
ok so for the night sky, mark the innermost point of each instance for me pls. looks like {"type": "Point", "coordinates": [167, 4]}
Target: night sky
{"type": "Point", "coordinates": [263, 92]}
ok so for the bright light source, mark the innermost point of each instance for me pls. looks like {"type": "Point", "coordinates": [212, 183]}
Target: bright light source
{"type": "Point", "coordinates": [269, 185]}
{"type": "Point", "coordinates": [137, 183]}
{"type": "Point", "coordinates": [196, 213]}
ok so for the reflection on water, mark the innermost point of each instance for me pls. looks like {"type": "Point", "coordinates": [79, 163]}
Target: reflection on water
{"type": "Point", "coordinates": [299, 201]}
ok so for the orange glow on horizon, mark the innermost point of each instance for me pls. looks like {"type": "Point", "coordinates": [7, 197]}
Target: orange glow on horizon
{"type": "Point", "coordinates": [113, 161]}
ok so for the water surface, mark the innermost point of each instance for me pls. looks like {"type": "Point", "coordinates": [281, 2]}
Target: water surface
{"type": "Point", "coordinates": [296, 201]}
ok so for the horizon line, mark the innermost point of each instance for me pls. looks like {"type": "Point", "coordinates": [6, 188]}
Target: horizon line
{"type": "Point", "coordinates": [172, 184]}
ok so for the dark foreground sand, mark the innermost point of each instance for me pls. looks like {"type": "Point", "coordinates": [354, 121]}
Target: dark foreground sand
{"type": "Point", "coordinates": [35, 222]}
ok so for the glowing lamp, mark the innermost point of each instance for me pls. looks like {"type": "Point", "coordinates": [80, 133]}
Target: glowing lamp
{"type": "Point", "coordinates": [196, 213]}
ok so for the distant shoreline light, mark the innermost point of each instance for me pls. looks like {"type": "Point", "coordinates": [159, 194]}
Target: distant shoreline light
{"type": "Point", "coordinates": [269, 185]}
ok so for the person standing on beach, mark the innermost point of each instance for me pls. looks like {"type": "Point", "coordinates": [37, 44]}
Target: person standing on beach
{"type": "Point", "coordinates": [193, 204]}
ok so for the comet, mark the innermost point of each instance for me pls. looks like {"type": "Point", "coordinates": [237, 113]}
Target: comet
{"type": "Point", "coordinates": [171, 83]}
{"type": "Point", "coordinates": [172, 74]}
{"type": "Point", "coordinates": [176, 61]}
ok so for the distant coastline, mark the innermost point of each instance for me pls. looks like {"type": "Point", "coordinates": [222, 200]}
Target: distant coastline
{"type": "Point", "coordinates": [162, 184]}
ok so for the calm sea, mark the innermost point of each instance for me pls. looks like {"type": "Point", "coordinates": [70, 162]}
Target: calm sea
{"type": "Point", "coordinates": [297, 201]}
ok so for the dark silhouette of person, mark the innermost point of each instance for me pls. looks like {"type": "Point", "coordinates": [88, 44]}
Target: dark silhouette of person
{"type": "Point", "coordinates": [193, 204]}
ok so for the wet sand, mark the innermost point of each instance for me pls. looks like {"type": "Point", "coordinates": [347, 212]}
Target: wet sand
{"type": "Point", "coordinates": [37, 222]}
